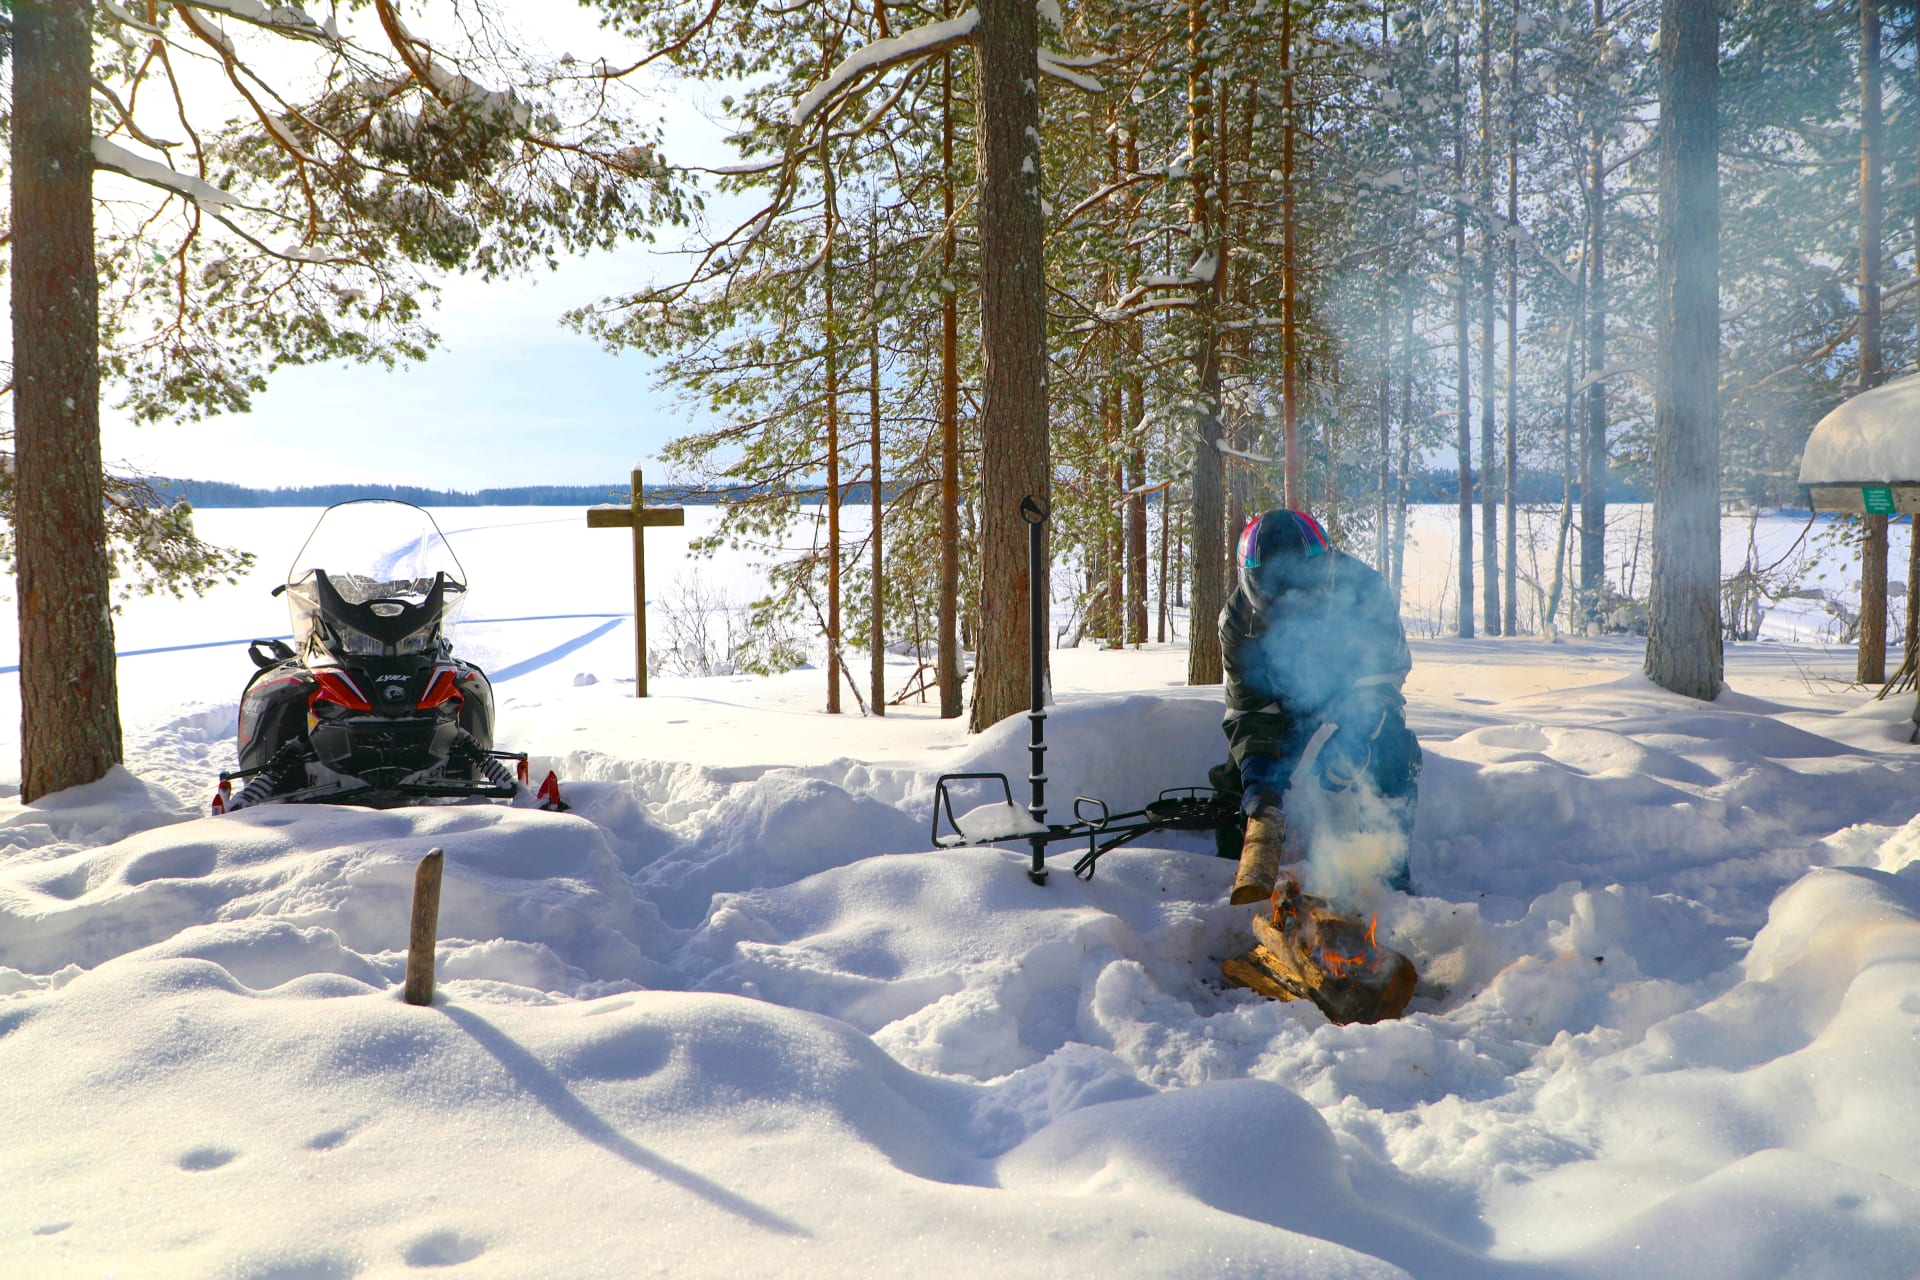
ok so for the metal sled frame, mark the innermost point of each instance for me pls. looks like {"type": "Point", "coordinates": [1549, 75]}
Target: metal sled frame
{"type": "Point", "coordinates": [1176, 809]}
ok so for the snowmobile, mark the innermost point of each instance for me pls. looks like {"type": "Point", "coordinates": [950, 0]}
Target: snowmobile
{"type": "Point", "coordinates": [368, 705]}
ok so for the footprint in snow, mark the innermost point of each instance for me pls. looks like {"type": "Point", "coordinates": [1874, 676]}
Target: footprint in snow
{"type": "Point", "coordinates": [329, 1140]}
{"type": "Point", "coordinates": [443, 1249]}
{"type": "Point", "coordinates": [201, 1159]}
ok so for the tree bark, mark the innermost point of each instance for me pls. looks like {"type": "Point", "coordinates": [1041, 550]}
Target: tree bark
{"type": "Point", "coordinates": [1510, 491]}
{"type": "Point", "coordinates": [1872, 659]}
{"type": "Point", "coordinates": [1463, 366]}
{"type": "Point", "coordinates": [1289, 274]}
{"type": "Point", "coordinates": [832, 358]}
{"type": "Point", "coordinates": [1014, 459]}
{"type": "Point", "coordinates": [1134, 410]}
{"type": "Point", "coordinates": [1489, 287]}
{"type": "Point", "coordinates": [951, 664]}
{"type": "Point", "coordinates": [1398, 577]}
{"type": "Point", "coordinates": [1166, 533]}
{"type": "Point", "coordinates": [69, 698]}
{"type": "Point", "coordinates": [877, 620]}
{"type": "Point", "coordinates": [1208, 533]}
{"type": "Point", "coordinates": [1913, 526]}
{"type": "Point", "coordinates": [1383, 473]}
{"type": "Point", "coordinates": [1683, 628]}
{"type": "Point", "coordinates": [1593, 465]}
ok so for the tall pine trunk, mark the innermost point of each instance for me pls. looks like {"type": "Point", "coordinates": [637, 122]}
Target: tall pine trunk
{"type": "Point", "coordinates": [1383, 473]}
{"type": "Point", "coordinates": [877, 620]}
{"type": "Point", "coordinates": [951, 664]}
{"type": "Point", "coordinates": [1133, 408]}
{"type": "Point", "coordinates": [1510, 618]}
{"type": "Point", "coordinates": [1683, 627]}
{"type": "Point", "coordinates": [832, 358]}
{"type": "Point", "coordinates": [1489, 288]}
{"type": "Point", "coordinates": [1872, 660]}
{"type": "Point", "coordinates": [1289, 274]}
{"type": "Point", "coordinates": [1014, 458]}
{"type": "Point", "coordinates": [69, 699]}
{"type": "Point", "coordinates": [1208, 534]}
{"type": "Point", "coordinates": [1593, 464]}
{"type": "Point", "coordinates": [1913, 526]}
{"type": "Point", "coordinates": [1398, 577]}
{"type": "Point", "coordinates": [1463, 369]}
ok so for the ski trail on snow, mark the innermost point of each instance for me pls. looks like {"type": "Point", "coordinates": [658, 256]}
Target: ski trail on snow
{"type": "Point", "coordinates": [518, 669]}
{"type": "Point", "coordinates": [552, 655]}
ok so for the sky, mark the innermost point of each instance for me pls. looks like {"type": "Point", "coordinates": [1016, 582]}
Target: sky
{"type": "Point", "coordinates": [511, 397]}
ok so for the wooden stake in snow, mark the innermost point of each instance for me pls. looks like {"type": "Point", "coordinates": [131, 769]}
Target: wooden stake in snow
{"type": "Point", "coordinates": [638, 518]}
{"type": "Point", "coordinates": [426, 928]}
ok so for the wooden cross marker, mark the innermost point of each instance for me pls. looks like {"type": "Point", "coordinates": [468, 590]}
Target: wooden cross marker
{"type": "Point", "coordinates": [639, 518]}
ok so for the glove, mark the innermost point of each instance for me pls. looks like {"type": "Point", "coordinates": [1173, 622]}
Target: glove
{"type": "Point", "coordinates": [1343, 759]}
{"type": "Point", "coordinates": [1258, 798]}
{"type": "Point", "coordinates": [1261, 784]}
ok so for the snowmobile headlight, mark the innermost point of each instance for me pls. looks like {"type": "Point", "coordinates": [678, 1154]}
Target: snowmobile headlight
{"type": "Point", "coordinates": [419, 642]}
{"type": "Point", "coordinates": [355, 643]}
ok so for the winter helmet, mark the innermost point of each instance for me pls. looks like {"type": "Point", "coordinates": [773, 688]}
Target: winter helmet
{"type": "Point", "coordinates": [1282, 551]}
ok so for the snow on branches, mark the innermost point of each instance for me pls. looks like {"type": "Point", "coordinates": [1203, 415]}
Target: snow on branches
{"type": "Point", "coordinates": [877, 55]}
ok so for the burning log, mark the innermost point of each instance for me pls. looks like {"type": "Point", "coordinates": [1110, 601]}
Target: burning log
{"type": "Point", "coordinates": [1308, 951]}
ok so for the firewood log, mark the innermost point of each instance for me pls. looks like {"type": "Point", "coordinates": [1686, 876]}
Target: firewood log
{"type": "Point", "coordinates": [1307, 950]}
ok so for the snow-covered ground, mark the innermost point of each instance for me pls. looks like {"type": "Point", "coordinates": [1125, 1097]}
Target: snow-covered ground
{"type": "Point", "coordinates": [732, 1016]}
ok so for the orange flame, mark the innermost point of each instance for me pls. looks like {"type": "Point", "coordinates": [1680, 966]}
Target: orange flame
{"type": "Point", "coordinates": [1337, 964]}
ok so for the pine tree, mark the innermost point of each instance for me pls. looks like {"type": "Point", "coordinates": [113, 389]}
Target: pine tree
{"type": "Point", "coordinates": [1683, 632]}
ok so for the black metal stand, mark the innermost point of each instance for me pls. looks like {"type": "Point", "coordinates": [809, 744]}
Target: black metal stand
{"type": "Point", "coordinates": [1034, 511]}
{"type": "Point", "coordinates": [1177, 809]}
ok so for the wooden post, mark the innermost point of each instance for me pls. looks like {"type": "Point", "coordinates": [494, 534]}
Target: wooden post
{"type": "Point", "coordinates": [426, 928]}
{"type": "Point", "coordinates": [639, 518]}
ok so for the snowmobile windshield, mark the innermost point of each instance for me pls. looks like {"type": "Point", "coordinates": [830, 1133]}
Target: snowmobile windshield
{"type": "Point", "coordinates": [375, 578]}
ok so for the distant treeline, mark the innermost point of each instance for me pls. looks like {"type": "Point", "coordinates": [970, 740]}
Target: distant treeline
{"type": "Point", "coordinates": [1422, 486]}
{"type": "Point", "coordinates": [215, 493]}
{"type": "Point", "coordinates": [1535, 487]}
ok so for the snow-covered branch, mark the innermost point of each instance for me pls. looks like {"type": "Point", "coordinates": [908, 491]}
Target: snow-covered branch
{"type": "Point", "coordinates": [127, 19]}
{"type": "Point", "coordinates": [213, 201]}
{"type": "Point", "coordinates": [1242, 454]}
{"type": "Point", "coordinates": [118, 159]}
{"type": "Point", "coordinates": [1062, 68]}
{"type": "Point", "coordinates": [878, 55]}
{"type": "Point", "coordinates": [282, 19]}
{"type": "Point", "coordinates": [448, 85]}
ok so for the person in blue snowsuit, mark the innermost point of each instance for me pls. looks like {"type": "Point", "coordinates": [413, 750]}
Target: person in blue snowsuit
{"type": "Point", "coordinates": [1313, 648]}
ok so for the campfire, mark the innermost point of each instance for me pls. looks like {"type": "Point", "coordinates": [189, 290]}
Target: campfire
{"type": "Point", "coordinates": [1306, 950]}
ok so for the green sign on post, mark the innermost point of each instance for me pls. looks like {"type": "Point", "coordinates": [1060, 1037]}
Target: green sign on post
{"type": "Point", "coordinates": [1877, 498]}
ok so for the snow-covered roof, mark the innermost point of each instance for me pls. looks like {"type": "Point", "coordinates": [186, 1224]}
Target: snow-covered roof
{"type": "Point", "coordinates": [1873, 438]}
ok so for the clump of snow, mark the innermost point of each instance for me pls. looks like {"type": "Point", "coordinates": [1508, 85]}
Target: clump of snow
{"type": "Point", "coordinates": [1873, 438]}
